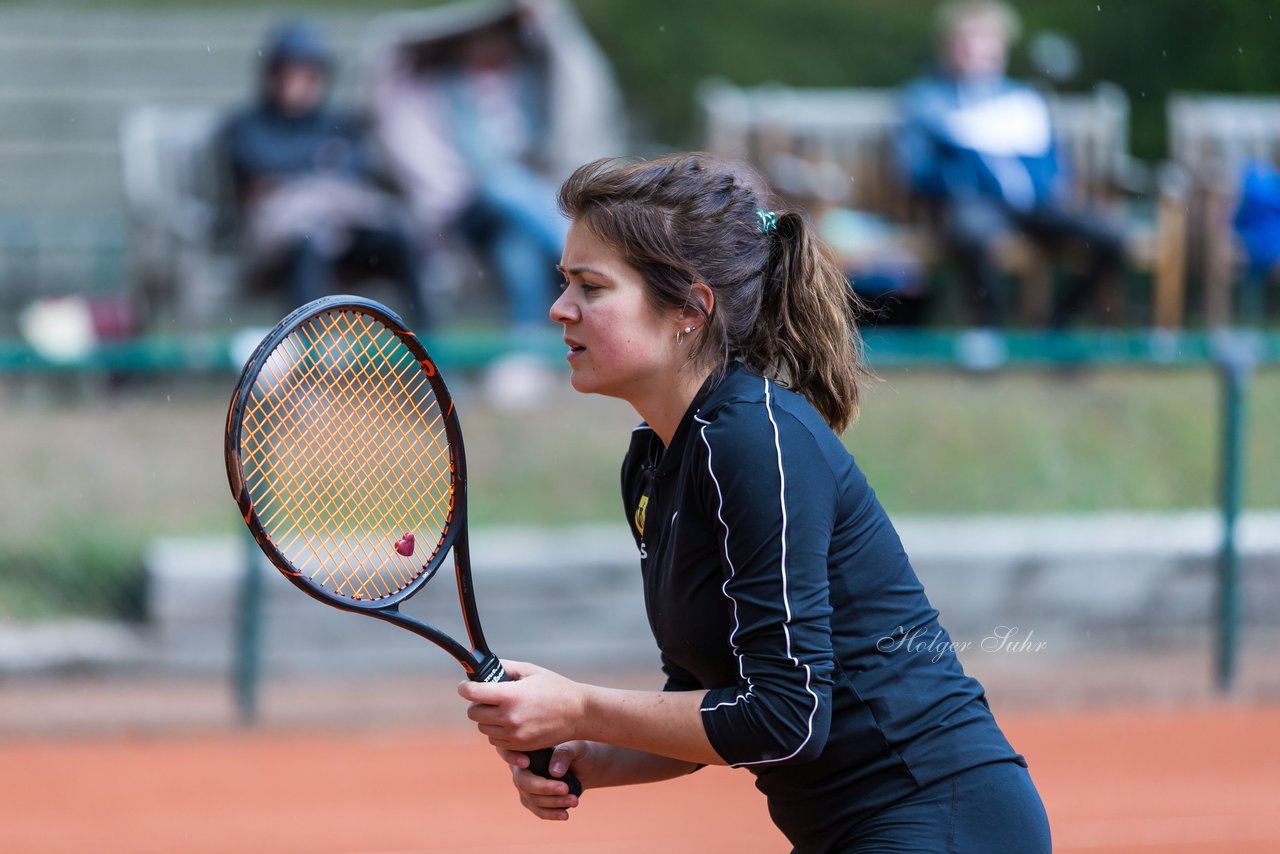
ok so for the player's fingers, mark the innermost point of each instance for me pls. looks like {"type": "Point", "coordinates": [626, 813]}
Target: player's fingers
{"type": "Point", "coordinates": [543, 805]}
{"type": "Point", "coordinates": [514, 758]}
{"type": "Point", "coordinates": [498, 737]}
{"type": "Point", "coordinates": [485, 693]}
{"type": "Point", "coordinates": [534, 785]}
{"type": "Point", "coordinates": [482, 714]}
{"type": "Point", "coordinates": [562, 757]}
{"type": "Point", "coordinates": [519, 669]}
{"type": "Point", "coordinates": [549, 800]}
{"type": "Point", "coordinates": [549, 815]}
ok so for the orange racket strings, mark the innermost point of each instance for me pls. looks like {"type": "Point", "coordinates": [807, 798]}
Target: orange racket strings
{"type": "Point", "coordinates": [344, 451]}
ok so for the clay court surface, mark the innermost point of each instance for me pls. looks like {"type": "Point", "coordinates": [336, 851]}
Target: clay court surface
{"type": "Point", "coordinates": [1200, 777]}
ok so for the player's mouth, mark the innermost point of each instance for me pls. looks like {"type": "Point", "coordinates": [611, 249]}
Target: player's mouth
{"type": "Point", "coordinates": [575, 348]}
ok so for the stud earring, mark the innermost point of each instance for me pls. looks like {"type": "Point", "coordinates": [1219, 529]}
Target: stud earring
{"type": "Point", "coordinates": [680, 335]}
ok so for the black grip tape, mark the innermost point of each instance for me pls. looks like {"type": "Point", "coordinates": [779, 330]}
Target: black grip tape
{"type": "Point", "coordinates": [540, 764]}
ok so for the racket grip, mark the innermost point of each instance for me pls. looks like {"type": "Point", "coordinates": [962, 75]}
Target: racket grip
{"type": "Point", "coordinates": [540, 764]}
{"type": "Point", "coordinates": [539, 760]}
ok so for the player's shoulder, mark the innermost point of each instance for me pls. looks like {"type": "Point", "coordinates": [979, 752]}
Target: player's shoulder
{"type": "Point", "coordinates": [748, 412]}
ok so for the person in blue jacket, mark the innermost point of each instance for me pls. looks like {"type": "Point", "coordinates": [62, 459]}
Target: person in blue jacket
{"type": "Point", "coordinates": [795, 638]}
{"type": "Point", "coordinates": [980, 147]}
{"type": "Point", "coordinates": [309, 191]}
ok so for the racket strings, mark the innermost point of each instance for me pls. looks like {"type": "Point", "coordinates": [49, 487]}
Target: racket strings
{"type": "Point", "coordinates": [344, 450]}
{"type": "Point", "coordinates": [351, 434]}
{"type": "Point", "coordinates": [328, 505]}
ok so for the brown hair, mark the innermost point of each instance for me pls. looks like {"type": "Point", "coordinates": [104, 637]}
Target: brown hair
{"type": "Point", "coordinates": [782, 305]}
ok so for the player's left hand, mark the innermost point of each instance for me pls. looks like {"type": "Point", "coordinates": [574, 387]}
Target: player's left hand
{"type": "Point", "coordinates": [538, 709]}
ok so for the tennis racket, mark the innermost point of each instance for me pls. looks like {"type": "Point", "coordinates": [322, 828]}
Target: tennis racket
{"type": "Point", "coordinates": [345, 457]}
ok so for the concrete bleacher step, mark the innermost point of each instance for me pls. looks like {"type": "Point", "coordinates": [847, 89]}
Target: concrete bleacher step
{"type": "Point", "coordinates": [58, 115]}
{"type": "Point", "coordinates": [61, 177]}
{"type": "Point", "coordinates": [127, 65]}
{"type": "Point", "coordinates": [67, 78]}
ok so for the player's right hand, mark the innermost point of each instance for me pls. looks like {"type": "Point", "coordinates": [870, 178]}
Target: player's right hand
{"type": "Point", "coordinates": [549, 798]}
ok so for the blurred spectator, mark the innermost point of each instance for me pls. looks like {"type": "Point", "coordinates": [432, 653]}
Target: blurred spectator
{"type": "Point", "coordinates": [468, 102]}
{"type": "Point", "coordinates": [1257, 223]}
{"type": "Point", "coordinates": [311, 202]}
{"type": "Point", "coordinates": [981, 147]}
{"type": "Point", "coordinates": [1257, 217]}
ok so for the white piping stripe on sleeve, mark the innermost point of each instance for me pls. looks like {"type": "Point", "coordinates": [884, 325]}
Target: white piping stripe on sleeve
{"type": "Point", "coordinates": [786, 625]}
{"type": "Point", "coordinates": [733, 635]}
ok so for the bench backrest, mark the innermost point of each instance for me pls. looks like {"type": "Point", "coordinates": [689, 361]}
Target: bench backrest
{"type": "Point", "coordinates": [832, 146]}
{"type": "Point", "coordinates": [1212, 136]}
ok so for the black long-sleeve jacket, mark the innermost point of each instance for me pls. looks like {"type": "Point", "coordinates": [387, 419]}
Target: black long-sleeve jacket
{"type": "Point", "coordinates": [775, 583]}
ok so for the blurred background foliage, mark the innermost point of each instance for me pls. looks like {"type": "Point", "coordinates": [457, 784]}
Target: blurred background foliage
{"type": "Point", "coordinates": [662, 49]}
{"type": "Point", "coordinates": [1149, 48]}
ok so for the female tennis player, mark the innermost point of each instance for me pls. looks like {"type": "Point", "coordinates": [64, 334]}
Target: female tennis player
{"type": "Point", "coordinates": [795, 637]}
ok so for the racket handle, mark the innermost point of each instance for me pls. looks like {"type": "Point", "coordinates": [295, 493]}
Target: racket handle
{"type": "Point", "coordinates": [539, 760]}
{"type": "Point", "coordinates": [540, 764]}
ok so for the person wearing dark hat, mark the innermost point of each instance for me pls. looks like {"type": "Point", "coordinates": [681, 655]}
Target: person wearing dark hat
{"type": "Point", "coordinates": [306, 183]}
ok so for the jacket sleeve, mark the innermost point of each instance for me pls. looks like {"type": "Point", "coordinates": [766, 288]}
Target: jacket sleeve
{"type": "Point", "coordinates": [919, 141]}
{"type": "Point", "coordinates": [770, 496]}
{"type": "Point", "coordinates": [678, 679]}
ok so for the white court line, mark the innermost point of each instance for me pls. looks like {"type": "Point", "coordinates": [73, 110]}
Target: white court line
{"type": "Point", "coordinates": [1153, 832]}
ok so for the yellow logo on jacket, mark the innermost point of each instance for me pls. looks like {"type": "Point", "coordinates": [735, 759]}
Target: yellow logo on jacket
{"type": "Point", "coordinates": [640, 511]}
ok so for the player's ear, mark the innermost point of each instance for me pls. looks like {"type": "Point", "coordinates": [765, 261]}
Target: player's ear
{"type": "Point", "coordinates": [700, 297]}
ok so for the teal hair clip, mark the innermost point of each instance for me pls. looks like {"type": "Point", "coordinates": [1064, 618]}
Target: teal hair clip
{"type": "Point", "coordinates": [768, 221]}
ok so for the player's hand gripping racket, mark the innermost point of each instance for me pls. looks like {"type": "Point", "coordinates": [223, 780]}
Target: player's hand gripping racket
{"type": "Point", "coordinates": [344, 453]}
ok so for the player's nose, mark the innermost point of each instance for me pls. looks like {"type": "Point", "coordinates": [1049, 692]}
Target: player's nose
{"type": "Point", "coordinates": [564, 309]}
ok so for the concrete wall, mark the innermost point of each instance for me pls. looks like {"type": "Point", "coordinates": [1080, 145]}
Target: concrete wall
{"type": "Point", "coordinates": [572, 599]}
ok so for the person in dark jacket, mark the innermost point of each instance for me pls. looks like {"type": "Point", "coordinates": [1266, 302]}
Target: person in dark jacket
{"type": "Point", "coordinates": [795, 638]}
{"type": "Point", "coordinates": [981, 147]}
{"type": "Point", "coordinates": [306, 182]}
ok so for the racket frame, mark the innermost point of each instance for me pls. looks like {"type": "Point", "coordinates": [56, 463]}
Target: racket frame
{"type": "Point", "coordinates": [479, 661]}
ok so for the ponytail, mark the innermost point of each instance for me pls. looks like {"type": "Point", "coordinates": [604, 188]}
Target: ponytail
{"type": "Point", "coordinates": [782, 305]}
{"type": "Point", "coordinates": [806, 334]}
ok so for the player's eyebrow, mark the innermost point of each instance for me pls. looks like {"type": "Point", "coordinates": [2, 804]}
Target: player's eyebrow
{"type": "Point", "coordinates": [579, 269]}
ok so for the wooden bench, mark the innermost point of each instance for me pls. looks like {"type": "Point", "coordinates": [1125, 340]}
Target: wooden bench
{"type": "Point", "coordinates": [825, 148]}
{"type": "Point", "coordinates": [1211, 138]}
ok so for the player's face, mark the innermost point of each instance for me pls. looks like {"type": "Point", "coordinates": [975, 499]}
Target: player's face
{"type": "Point", "coordinates": [619, 345]}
